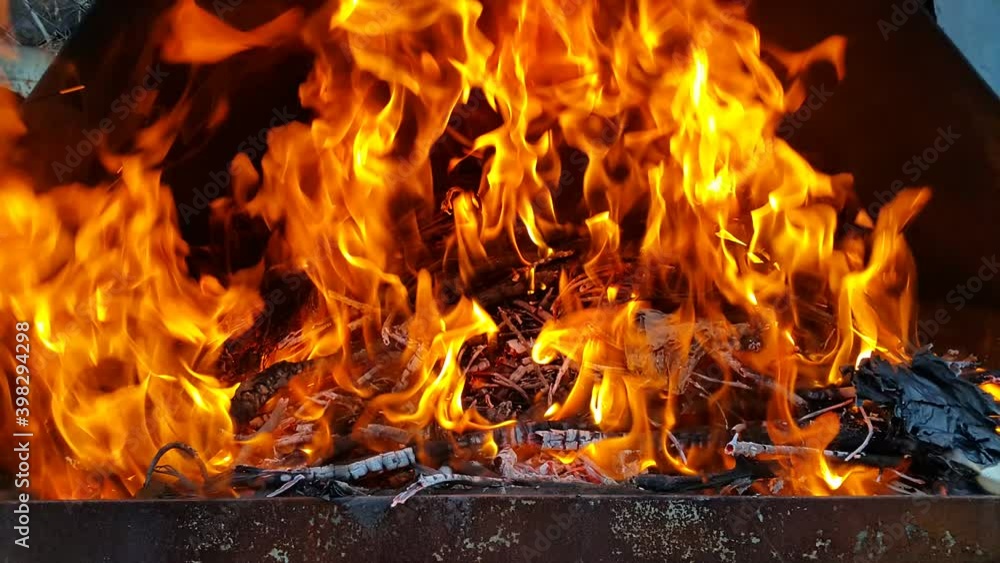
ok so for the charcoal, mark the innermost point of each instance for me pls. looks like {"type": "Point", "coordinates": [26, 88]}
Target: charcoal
{"type": "Point", "coordinates": [936, 408]}
{"type": "Point", "coordinates": [744, 470]}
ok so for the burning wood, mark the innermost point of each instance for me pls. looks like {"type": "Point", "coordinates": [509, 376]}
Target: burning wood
{"type": "Point", "coordinates": [879, 446]}
{"type": "Point", "coordinates": [389, 461]}
{"type": "Point", "coordinates": [521, 244]}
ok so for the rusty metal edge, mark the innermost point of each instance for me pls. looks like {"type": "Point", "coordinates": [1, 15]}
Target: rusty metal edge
{"type": "Point", "coordinates": [514, 526]}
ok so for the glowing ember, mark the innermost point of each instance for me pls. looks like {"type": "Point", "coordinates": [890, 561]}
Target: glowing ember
{"type": "Point", "coordinates": [993, 389]}
{"type": "Point", "coordinates": [671, 117]}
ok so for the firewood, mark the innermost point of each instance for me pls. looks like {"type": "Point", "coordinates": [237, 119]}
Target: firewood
{"type": "Point", "coordinates": [355, 471]}
{"type": "Point", "coordinates": [502, 292]}
{"type": "Point", "coordinates": [252, 394]}
{"type": "Point", "coordinates": [425, 482]}
{"type": "Point", "coordinates": [540, 434]}
{"type": "Point", "coordinates": [691, 483]}
{"type": "Point", "coordinates": [739, 448]}
{"type": "Point", "coordinates": [183, 483]}
{"type": "Point", "coordinates": [288, 297]}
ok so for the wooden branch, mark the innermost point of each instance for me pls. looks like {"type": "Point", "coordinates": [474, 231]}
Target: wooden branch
{"type": "Point", "coordinates": [253, 393]}
{"type": "Point", "coordinates": [291, 297]}
{"type": "Point", "coordinates": [689, 483]}
{"type": "Point", "coordinates": [438, 479]}
{"type": "Point", "coordinates": [502, 292]}
{"type": "Point", "coordinates": [350, 472]}
{"type": "Point", "coordinates": [257, 390]}
{"type": "Point", "coordinates": [753, 450]}
{"type": "Point", "coordinates": [189, 452]}
{"type": "Point", "coordinates": [540, 434]}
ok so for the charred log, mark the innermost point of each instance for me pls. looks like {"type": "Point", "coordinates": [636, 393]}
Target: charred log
{"type": "Point", "coordinates": [252, 394]}
{"type": "Point", "coordinates": [745, 471]}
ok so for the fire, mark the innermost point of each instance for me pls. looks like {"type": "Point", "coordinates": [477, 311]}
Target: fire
{"type": "Point", "coordinates": [671, 115]}
{"type": "Point", "coordinates": [120, 330]}
{"type": "Point", "coordinates": [435, 343]}
{"type": "Point", "coordinates": [992, 389]}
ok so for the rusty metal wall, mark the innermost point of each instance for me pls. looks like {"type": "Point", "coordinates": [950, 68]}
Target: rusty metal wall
{"type": "Point", "coordinates": [514, 527]}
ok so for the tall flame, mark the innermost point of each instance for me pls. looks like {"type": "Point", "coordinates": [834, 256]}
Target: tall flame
{"type": "Point", "coordinates": [671, 119]}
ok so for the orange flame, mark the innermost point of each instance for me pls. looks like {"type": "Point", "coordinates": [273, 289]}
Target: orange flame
{"type": "Point", "coordinates": [674, 116]}
{"type": "Point", "coordinates": [992, 389]}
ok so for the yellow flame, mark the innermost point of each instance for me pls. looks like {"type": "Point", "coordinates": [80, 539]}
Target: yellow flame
{"type": "Point", "coordinates": [669, 116]}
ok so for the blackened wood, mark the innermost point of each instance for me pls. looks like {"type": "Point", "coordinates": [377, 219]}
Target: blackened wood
{"type": "Point", "coordinates": [257, 390]}
{"type": "Point", "coordinates": [252, 394]}
{"type": "Point", "coordinates": [746, 470]}
{"type": "Point", "coordinates": [289, 297]}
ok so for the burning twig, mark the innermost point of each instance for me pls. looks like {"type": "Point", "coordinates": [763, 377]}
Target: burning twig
{"type": "Point", "coordinates": [688, 483]}
{"type": "Point", "coordinates": [958, 364]}
{"type": "Point", "coordinates": [273, 420]}
{"type": "Point", "coordinates": [904, 489]}
{"type": "Point", "coordinates": [183, 448]}
{"type": "Point", "coordinates": [767, 382]}
{"type": "Point", "coordinates": [539, 314]}
{"type": "Point", "coordinates": [256, 391]}
{"type": "Point", "coordinates": [567, 440]}
{"type": "Point", "coordinates": [445, 478]}
{"type": "Point", "coordinates": [677, 444]}
{"type": "Point", "coordinates": [540, 435]}
{"type": "Point", "coordinates": [289, 485]}
{"type": "Point", "coordinates": [501, 293]}
{"type": "Point", "coordinates": [300, 335]}
{"type": "Point", "coordinates": [389, 461]}
{"type": "Point", "coordinates": [825, 410]}
{"type": "Point", "coordinates": [753, 450]}
{"type": "Point", "coordinates": [503, 381]}
{"type": "Point", "coordinates": [272, 423]}
{"type": "Point", "coordinates": [868, 438]}
{"type": "Point", "coordinates": [722, 381]}
{"type": "Point", "coordinates": [738, 448]}
{"type": "Point", "coordinates": [517, 332]}
{"type": "Point", "coordinates": [303, 435]}
{"type": "Point", "coordinates": [475, 354]}
{"type": "Point", "coordinates": [906, 477]}
{"type": "Point", "coordinates": [383, 432]}
{"type": "Point", "coordinates": [559, 376]}
{"type": "Point", "coordinates": [581, 471]}
{"type": "Point", "coordinates": [510, 468]}
{"type": "Point", "coordinates": [826, 394]}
